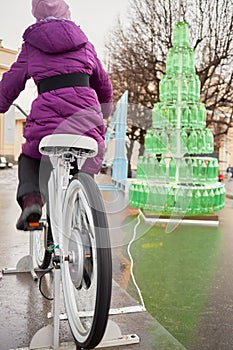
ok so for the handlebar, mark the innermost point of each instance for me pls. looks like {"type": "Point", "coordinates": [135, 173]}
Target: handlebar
{"type": "Point", "coordinates": [19, 108]}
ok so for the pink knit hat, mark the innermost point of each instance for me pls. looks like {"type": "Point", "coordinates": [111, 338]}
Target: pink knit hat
{"type": "Point", "coordinates": [44, 8]}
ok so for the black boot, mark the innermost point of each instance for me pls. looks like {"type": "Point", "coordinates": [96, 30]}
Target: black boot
{"type": "Point", "coordinates": [31, 212]}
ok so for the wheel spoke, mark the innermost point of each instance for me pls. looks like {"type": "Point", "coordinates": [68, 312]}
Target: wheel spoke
{"type": "Point", "coordinates": [86, 298]}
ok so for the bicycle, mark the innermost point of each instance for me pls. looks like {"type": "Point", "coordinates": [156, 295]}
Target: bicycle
{"type": "Point", "coordinates": [75, 237]}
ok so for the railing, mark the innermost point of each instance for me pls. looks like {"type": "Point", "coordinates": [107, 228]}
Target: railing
{"type": "Point", "coordinates": [117, 131]}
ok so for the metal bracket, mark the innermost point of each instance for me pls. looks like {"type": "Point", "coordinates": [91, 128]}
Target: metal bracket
{"type": "Point", "coordinates": [48, 337]}
{"type": "Point", "coordinates": [26, 263]}
{"type": "Point", "coordinates": [212, 222]}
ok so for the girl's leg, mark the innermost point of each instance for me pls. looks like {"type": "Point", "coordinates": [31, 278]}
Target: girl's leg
{"type": "Point", "coordinates": [33, 175]}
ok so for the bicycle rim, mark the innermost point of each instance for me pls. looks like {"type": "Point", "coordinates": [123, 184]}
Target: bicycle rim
{"type": "Point", "coordinates": [87, 275]}
{"type": "Point", "coordinates": [41, 241]}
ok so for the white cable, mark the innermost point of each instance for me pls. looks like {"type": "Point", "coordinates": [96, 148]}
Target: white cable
{"type": "Point", "coordinates": [132, 262]}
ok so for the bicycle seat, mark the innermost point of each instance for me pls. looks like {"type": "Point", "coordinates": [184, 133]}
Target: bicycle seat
{"type": "Point", "coordinates": [58, 144]}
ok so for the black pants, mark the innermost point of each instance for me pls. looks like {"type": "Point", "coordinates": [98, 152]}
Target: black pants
{"type": "Point", "coordinates": [33, 176]}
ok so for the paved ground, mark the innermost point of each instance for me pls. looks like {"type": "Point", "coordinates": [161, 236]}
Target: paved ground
{"type": "Point", "coordinates": [229, 187]}
{"type": "Point", "coordinates": [24, 310]}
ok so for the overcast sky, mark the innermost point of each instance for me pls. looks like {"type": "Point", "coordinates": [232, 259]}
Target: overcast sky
{"type": "Point", "coordinates": [96, 17]}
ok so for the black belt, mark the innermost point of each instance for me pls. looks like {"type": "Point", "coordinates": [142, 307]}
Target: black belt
{"type": "Point", "coordinates": [62, 81]}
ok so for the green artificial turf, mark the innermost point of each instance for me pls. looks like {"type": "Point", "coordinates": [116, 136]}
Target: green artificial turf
{"type": "Point", "coordinates": [175, 272]}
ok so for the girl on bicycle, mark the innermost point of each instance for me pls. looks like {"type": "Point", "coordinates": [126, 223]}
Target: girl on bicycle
{"type": "Point", "coordinates": [74, 95]}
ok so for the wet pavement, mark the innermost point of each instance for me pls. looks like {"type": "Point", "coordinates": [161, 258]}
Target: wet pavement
{"type": "Point", "coordinates": [24, 310]}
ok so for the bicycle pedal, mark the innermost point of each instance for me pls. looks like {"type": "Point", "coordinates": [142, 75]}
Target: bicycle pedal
{"type": "Point", "coordinates": [34, 226]}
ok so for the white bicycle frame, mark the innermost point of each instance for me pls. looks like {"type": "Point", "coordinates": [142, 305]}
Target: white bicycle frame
{"type": "Point", "coordinates": [61, 150]}
{"type": "Point", "coordinates": [56, 147]}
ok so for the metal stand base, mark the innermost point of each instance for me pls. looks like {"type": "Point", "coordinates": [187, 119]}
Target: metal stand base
{"type": "Point", "coordinates": [48, 337]}
{"type": "Point", "coordinates": [26, 263]}
{"type": "Point", "coordinates": [43, 339]}
{"type": "Point", "coordinates": [198, 220]}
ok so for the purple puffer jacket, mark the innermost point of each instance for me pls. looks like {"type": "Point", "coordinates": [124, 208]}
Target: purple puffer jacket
{"type": "Point", "coordinates": [52, 47]}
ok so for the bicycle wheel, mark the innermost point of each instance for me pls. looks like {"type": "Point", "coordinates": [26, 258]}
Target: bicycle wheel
{"type": "Point", "coordinates": [87, 267]}
{"type": "Point", "coordinates": [42, 240]}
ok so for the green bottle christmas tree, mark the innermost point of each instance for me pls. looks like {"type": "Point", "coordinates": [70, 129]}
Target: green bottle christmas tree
{"type": "Point", "coordinates": [181, 180]}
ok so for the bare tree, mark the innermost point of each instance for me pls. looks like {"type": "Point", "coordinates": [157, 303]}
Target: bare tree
{"type": "Point", "coordinates": [138, 47]}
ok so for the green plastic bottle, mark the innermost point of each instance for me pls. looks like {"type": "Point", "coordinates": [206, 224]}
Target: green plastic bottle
{"type": "Point", "coordinates": [222, 196]}
{"type": "Point", "coordinates": [183, 142]}
{"type": "Point", "coordinates": [216, 198]}
{"type": "Point", "coordinates": [195, 168]}
{"type": "Point", "coordinates": [181, 35]}
{"type": "Point", "coordinates": [181, 201]}
{"type": "Point", "coordinates": [203, 171]}
{"type": "Point", "coordinates": [193, 121]}
{"type": "Point", "coordinates": [159, 142]}
{"type": "Point", "coordinates": [163, 142]}
{"type": "Point", "coordinates": [162, 169]}
{"type": "Point", "coordinates": [184, 115]}
{"type": "Point", "coordinates": [140, 168]}
{"type": "Point", "coordinates": [197, 201]}
{"type": "Point", "coordinates": [209, 141]}
{"type": "Point", "coordinates": [191, 65]}
{"type": "Point", "coordinates": [189, 199]}
{"type": "Point", "coordinates": [163, 89]}
{"type": "Point", "coordinates": [156, 115]}
{"type": "Point", "coordinates": [156, 143]}
{"type": "Point", "coordinates": [197, 87]}
{"type": "Point", "coordinates": [156, 169]}
{"type": "Point", "coordinates": [172, 116]}
{"type": "Point", "coordinates": [137, 195]}
{"type": "Point", "coordinates": [201, 142]}
{"type": "Point", "coordinates": [189, 170]}
{"type": "Point", "coordinates": [183, 87]}
{"type": "Point", "coordinates": [150, 197]}
{"type": "Point", "coordinates": [185, 61]}
{"type": "Point", "coordinates": [164, 115]}
{"type": "Point", "coordinates": [151, 168]}
{"type": "Point", "coordinates": [131, 195]}
{"type": "Point", "coordinates": [183, 171]}
{"type": "Point", "coordinates": [149, 142]}
{"type": "Point", "coordinates": [192, 142]}
{"type": "Point", "coordinates": [146, 167]}
{"type": "Point", "coordinates": [204, 202]}
{"type": "Point", "coordinates": [171, 199]}
{"type": "Point", "coordinates": [212, 200]}
{"type": "Point", "coordinates": [173, 141]}
{"type": "Point", "coordinates": [201, 122]}
{"type": "Point", "coordinates": [192, 88]}
{"type": "Point", "coordinates": [142, 196]}
{"type": "Point", "coordinates": [210, 172]}
{"type": "Point", "coordinates": [172, 170]}
{"type": "Point", "coordinates": [163, 195]}
{"type": "Point", "coordinates": [169, 61]}
{"type": "Point", "coordinates": [216, 169]}
{"type": "Point", "coordinates": [176, 61]}
{"type": "Point", "coordinates": [173, 93]}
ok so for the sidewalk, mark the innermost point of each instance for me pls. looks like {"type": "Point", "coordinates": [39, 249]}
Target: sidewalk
{"type": "Point", "coordinates": [24, 310]}
{"type": "Point", "coordinates": [229, 187]}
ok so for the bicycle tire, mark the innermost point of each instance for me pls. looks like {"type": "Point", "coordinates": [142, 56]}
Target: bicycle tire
{"type": "Point", "coordinates": [42, 240]}
{"type": "Point", "coordinates": [87, 294]}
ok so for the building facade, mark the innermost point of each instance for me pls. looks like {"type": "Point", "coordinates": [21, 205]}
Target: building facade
{"type": "Point", "coordinates": [7, 57]}
{"type": "Point", "coordinates": [13, 121]}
